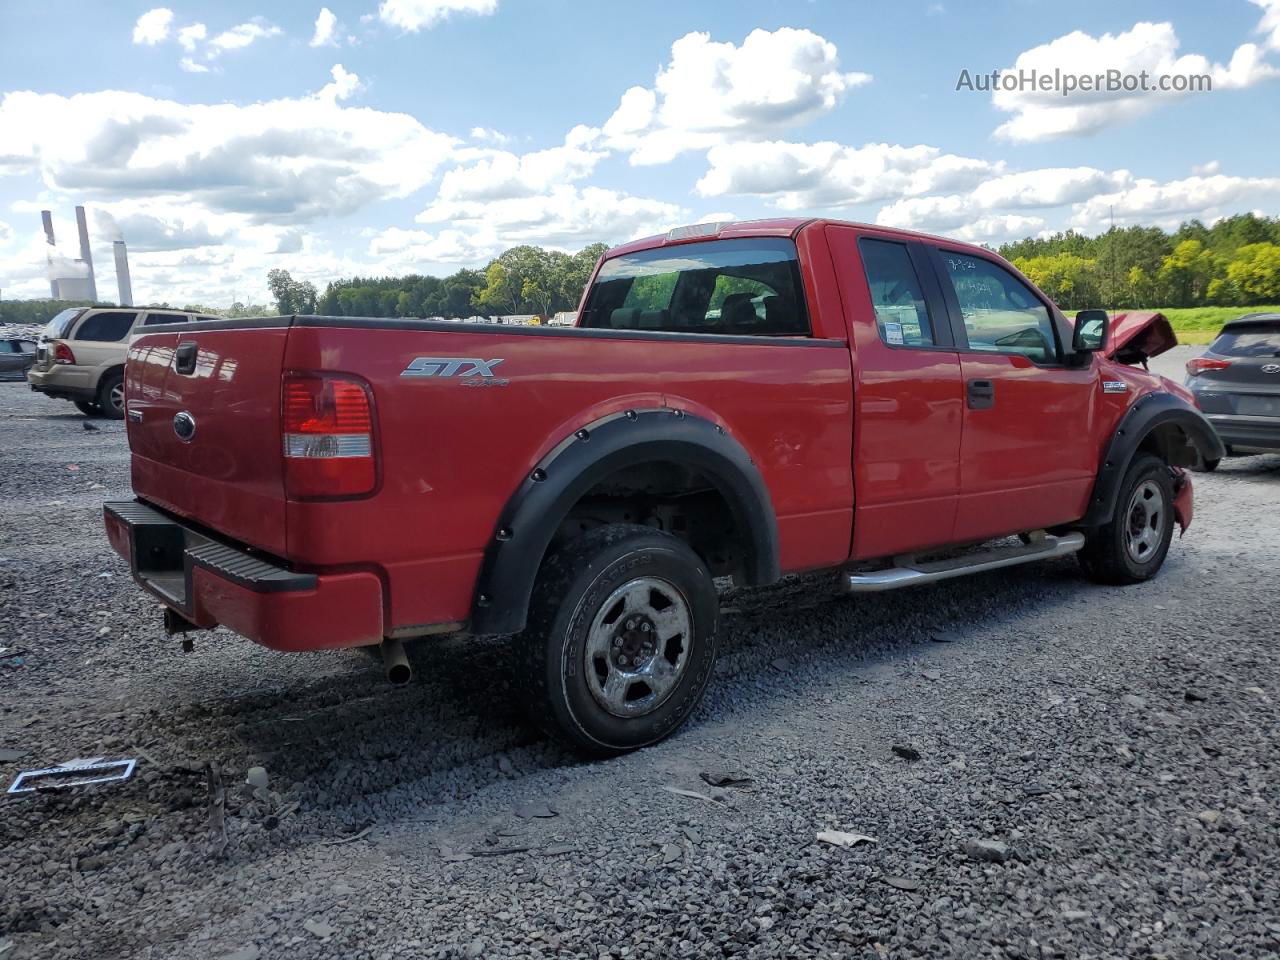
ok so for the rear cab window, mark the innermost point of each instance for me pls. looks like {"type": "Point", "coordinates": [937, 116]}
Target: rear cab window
{"type": "Point", "coordinates": [1001, 314]}
{"type": "Point", "coordinates": [108, 326]}
{"type": "Point", "coordinates": [748, 286]}
{"type": "Point", "coordinates": [1248, 340]}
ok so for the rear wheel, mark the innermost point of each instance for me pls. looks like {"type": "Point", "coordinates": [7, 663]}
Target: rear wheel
{"type": "Point", "coordinates": [621, 638]}
{"type": "Point", "coordinates": [111, 395]}
{"type": "Point", "coordinates": [1132, 547]}
{"type": "Point", "coordinates": [88, 408]}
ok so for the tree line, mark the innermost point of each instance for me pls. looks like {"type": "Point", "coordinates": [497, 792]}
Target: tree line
{"type": "Point", "coordinates": [1235, 262]}
{"type": "Point", "coordinates": [523, 280]}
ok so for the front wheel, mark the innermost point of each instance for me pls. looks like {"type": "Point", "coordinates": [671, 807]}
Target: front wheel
{"type": "Point", "coordinates": [621, 639]}
{"type": "Point", "coordinates": [1132, 547]}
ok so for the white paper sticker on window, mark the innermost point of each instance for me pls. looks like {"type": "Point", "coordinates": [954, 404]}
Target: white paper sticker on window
{"type": "Point", "coordinates": [893, 333]}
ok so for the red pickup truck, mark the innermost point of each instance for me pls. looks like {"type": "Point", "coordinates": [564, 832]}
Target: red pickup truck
{"type": "Point", "coordinates": [742, 401]}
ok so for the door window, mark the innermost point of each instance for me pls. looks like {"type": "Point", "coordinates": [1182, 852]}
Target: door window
{"type": "Point", "coordinates": [106, 327]}
{"type": "Point", "coordinates": [902, 316]}
{"type": "Point", "coordinates": [1001, 313]}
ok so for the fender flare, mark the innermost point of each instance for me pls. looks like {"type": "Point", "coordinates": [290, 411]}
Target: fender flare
{"type": "Point", "coordinates": [1146, 414]}
{"type": "Point", "coordinates": [534, 512]}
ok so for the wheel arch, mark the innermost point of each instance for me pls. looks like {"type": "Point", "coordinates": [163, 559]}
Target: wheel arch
{"type": "Point", "coordinates": [1163, 424]}
{"type": "Point", "coordinates": [634, 438]}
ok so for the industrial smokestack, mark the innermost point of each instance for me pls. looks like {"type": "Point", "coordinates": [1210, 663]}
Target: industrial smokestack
{"type": "Point", "coordinates": [46, 217]}
{"type": "Point", "coordinates": [85, 254]}
{"type": "Point", "coordinates": [122, 273]}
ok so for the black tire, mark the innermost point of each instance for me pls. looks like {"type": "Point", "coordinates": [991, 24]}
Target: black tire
{"type": "Point", "coordinates": [88, 408]}
{"type": "Point", "coordinates": [656, 580]}
{"type": "Point", "coordinates": [1109, 554]}
{"type": "Point", "coordinates": [111, 395]}
{"type": "Point", "coordinates": [1206, 466]}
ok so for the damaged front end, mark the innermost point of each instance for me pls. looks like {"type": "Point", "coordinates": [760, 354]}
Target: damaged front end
{"type": "Point", "coordinates": [1139, 335]}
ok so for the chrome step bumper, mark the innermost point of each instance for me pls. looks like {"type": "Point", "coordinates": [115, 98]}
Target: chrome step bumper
{"type": "Point", "coordinates": [909, 574]}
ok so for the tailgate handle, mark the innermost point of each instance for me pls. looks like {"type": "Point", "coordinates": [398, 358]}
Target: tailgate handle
{"type": "Point", "coordinates": [184, 358]}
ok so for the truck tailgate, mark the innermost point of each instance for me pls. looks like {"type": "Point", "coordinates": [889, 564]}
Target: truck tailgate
{"type": "Point", "coordinates": [223, 385]}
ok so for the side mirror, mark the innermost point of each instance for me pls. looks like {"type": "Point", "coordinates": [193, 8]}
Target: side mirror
{"type": "Point", "coordinates": [1090, 334]}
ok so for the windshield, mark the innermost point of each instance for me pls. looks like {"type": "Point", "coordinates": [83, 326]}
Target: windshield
{"type": "Point", "coordinates": [56, 329]}
{"type": "Point", "coordinates": [748, 286]}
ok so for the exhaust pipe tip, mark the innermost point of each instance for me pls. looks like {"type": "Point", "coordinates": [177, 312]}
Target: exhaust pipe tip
{"type": "Point", "coordinates": [395, 663]}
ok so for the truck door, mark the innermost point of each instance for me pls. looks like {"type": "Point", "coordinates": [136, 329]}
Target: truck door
{"type": "Point", "coordinates": [1028, 454]}
{"type": "Point", "coordinates": [908, 403]}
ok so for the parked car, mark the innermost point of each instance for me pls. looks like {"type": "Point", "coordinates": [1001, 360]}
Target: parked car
{"type": "Point", "coordinates": [745, 400]}
{"type": "Point", "coordinates": [17, 354]}
{"type": "Point", "coordinates": [1236, 382]}
{"type": "Point", "coordinates": [81, 352]}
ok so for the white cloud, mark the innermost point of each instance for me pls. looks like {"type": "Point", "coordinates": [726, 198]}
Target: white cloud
{"type": "Point", "coordinates": [191, 66]}
{"type": "Point", "coordinates": [803, 176]}
{"type": "Point", "coordinates": [153, 26]}
{"type": "Point", "coordinates": [990, 201]}
{"type": "Point", "coordinates": [1269, 26]}
{"type": "Point", "coordinates": [326, 31]}
{"type": "Point", "coordinates": [190, 37]}
{"type": "Point", "coordinates": [1150, 203]}
{"type": "Point", "coordinates": [488, 135]}
{"type": "Point", "coordinates": [1204, 169]}
{"type": "Point", "coordinates": [280, 161]}
{"type": "Point", "coordinates": [415, 15]}
{"type": "Point", "coordinates": [500, 174]}
{"type": "Point", "coordinates": [564, 217]}
{"type": "Point", "coordinates": [712, 92]}
{"type": "Point", "coordinates": [1147, 47]}
{"type": "Point", "coordinates": [241, 36]}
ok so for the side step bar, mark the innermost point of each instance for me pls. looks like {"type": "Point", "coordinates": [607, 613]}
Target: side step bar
{"type": "Point", "coordinates": [909, 574]}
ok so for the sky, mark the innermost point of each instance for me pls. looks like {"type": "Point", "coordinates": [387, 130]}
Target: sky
{"type": "Point", "coordinates": [386, 137]}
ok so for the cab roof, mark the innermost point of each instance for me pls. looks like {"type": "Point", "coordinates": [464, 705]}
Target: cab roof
{"type": "Point", "coordinates": [776, 227]}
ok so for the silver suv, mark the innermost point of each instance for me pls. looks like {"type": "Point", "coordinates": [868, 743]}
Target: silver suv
{"type": "Point", "coordinates": [81, 352]}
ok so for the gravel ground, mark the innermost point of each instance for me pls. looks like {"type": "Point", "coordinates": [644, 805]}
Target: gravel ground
{"type": "Point", "coordinates": [1096, 768]}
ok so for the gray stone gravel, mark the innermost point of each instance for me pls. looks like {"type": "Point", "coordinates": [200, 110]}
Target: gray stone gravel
{"type": "Point", "coordinates": [1119, 745]}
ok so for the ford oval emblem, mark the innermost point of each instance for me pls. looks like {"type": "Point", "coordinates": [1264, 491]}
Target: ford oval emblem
{"type": "Point", "coordinates": [184, 425]}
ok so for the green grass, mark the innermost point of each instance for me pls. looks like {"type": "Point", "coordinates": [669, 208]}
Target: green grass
{"type": "Point", "coordinates": [1201, 324]}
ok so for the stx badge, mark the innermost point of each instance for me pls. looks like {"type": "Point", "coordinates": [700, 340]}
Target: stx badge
{"type": "Point", "coordinates": [450, 367]}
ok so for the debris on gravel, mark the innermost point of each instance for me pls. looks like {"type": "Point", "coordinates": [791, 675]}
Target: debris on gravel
{"type": "Point", "coordinates": [988, 851]}
{"type": "Point", "coordinates": [1155, 835]}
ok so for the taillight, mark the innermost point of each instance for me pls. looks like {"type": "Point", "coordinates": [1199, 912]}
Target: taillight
{"type": "Point", "coordinates": [327, 425]}
{"type": "Point", "coordinates": [1198, 365]}
{"type": "Point", "coordinates": [62, 354]}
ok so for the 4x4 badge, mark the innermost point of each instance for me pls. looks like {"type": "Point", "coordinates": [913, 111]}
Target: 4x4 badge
{"type": "Point", "coordinates": [1271, 368]}
{"type": "Point", "coordinates": [1114, 386]}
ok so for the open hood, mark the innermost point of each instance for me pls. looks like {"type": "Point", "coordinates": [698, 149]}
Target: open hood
{"type": "Point", "coordinates": [1140, 335]}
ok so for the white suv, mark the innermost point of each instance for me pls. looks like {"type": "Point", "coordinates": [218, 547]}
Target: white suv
{"type": "Point", "coordinates": [81, 352]}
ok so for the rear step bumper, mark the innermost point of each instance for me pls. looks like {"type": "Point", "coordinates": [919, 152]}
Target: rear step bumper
{"type": "Point", "coordinates": [211, 583]}
{"type": "Point", "coordinates": [911, 574]}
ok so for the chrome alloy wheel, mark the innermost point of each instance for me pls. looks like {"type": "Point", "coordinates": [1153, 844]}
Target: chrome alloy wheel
{"type": "Point", "coordinates": [1144, 523]}
{"type": "Point", "coordinates": [116, 397]}
{"type": "Point", "coordinates": [638, 647]}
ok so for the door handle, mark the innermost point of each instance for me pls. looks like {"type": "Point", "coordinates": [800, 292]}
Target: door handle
{"type": "Point", "coordinates": [982, 394]}
{"type": "Point", "coordinates": [184, 358]}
